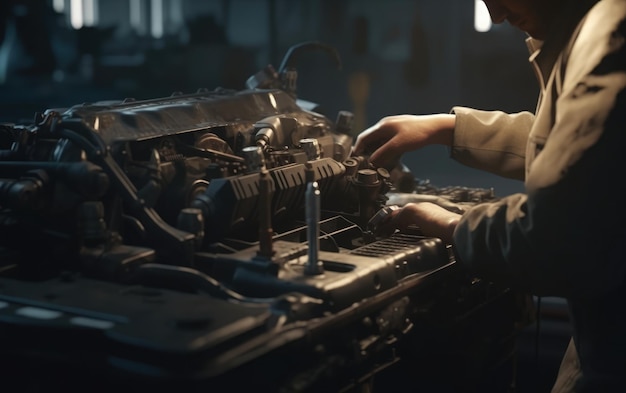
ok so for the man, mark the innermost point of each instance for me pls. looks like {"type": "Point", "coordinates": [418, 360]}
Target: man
{"type": "Point", "coordinates": [565, 235]}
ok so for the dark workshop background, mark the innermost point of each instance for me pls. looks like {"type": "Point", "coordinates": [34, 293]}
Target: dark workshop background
{"type": "Point", "coordinates": [398, 56]}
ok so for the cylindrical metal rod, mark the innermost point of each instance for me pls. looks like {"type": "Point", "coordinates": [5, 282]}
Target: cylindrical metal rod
{"type": "Point", "coordinates": [265, 216]}
{"type": "Point", "coordinates": [312, 201]}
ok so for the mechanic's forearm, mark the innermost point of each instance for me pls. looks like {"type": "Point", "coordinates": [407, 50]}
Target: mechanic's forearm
{"type": "Point", "coordinates": [443, 128]}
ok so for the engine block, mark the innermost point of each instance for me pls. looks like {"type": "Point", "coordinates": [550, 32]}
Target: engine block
{"type": "Point", "coordinates": [215, 237]}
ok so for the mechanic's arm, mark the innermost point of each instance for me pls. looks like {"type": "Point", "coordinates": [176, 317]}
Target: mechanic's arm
{"type": "Point", "coordinates": [492, 141]}
{"type": "Point", "coordinates": [392, 136]}
{"type": "Point", "coordinates": [565, 236]}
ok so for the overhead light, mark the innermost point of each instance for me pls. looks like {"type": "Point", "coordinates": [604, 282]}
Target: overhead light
{"type": "Point", "coordinates": [76, 14]}
{"type": "Point", "coordinates": [482, 19]}
{"type": "Point", "coordinates": [156, 20]}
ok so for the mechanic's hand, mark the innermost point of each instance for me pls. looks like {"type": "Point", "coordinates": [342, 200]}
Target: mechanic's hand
{"type": "Point", "coordinates": [433, 220]}
{"type": "Point", "coordinates": [393, 136]}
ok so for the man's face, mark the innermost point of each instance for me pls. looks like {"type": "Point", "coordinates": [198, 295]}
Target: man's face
{"type": "Point", "coordinates": [532, 16]}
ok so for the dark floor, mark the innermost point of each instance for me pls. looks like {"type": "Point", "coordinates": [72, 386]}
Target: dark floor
{"type": "Point", "coordinates": [532, 369]}
{"type": "Point", "coordinates": [539, 356]}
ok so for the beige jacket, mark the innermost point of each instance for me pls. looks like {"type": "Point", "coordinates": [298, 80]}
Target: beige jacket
{"type": "Point", "coordinates": [565, 236]}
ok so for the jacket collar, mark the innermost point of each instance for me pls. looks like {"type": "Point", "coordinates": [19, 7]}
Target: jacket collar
{"type": "Point", "coordinates": [545, 53]}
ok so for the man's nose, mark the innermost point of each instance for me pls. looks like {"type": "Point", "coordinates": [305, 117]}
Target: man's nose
{"type": "Point", "coordinates": [497, 12]}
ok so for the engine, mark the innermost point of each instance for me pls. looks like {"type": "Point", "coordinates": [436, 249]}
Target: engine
{"type": "Point", "coordinates": [220, 236]}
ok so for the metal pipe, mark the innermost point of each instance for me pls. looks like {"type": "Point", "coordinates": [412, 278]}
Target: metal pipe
{"type": "Point", "coordinates": [312, 201]}
{"type": "Point", "coordinates": [265, 216]}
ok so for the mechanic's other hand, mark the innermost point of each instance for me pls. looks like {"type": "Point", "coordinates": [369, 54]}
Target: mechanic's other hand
{"type": "Point", "coordinates": [433, 220]}
{"type": "Point", "coordinates": [393, 136]}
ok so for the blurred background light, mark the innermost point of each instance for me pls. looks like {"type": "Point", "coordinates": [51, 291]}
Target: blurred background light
{"type": "Point", "coordinates": [482, 19]}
